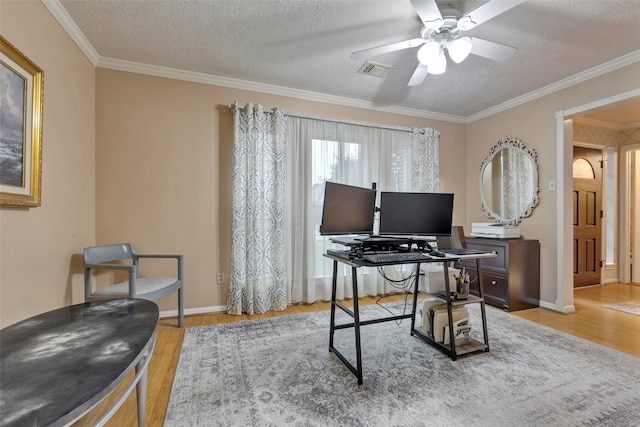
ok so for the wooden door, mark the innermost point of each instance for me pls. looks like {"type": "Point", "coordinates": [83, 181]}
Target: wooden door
{"type": "Point", "coordinates": [587, 215]}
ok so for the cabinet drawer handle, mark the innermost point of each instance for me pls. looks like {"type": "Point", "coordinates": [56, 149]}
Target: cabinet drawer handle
{"type": "Point", "coordinates": [493, 282]}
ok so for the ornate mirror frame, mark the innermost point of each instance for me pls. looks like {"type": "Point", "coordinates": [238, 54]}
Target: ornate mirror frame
{"type": "Point", "coordinates": [516, 145]}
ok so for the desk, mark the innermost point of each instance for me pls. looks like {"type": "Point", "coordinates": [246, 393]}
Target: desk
{"type": "Point", "coordinates": [58, 365]}
{"type": "Point", "coordinates": [355, 312]}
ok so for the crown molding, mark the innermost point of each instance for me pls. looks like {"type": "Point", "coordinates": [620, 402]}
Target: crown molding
{"type": "Point", "coordinates": [60, 13]}
{"type": "Point", "coordinates": [172, 73]}
{"type": "Point", "coordinates": [605, 124]}
{"type": "Point", "coordinates": [583, 76]}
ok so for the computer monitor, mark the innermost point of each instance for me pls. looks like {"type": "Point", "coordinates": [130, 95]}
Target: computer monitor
{"type": "Point", "coordinates": [416, 214]}
{"type": "Point", "coordinates": [347, 209]}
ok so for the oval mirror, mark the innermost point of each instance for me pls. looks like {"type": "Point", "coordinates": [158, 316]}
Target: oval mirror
{"type": "Point", "coordinates": [509, 181]}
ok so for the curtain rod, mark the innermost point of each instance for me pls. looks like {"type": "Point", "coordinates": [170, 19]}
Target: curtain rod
{"type": "Point", "coordinates": [327, 119]}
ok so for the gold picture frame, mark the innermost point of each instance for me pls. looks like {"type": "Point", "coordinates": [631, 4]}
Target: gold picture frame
{"type": "Point", "coordinates": [22, 90]}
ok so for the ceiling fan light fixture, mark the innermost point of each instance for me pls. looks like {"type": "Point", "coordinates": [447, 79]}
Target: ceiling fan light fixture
{"type": "Point", "coordinates": [439, 66]}
{"type": "Point", "coordinates": [429, 52]}
{"type": "Point", "coordinates": [459, 49]}
{"type": "Point", "coordinates": [465, 23]}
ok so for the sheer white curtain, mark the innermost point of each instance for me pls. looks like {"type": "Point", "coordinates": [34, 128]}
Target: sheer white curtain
{"type": "Point", "coordinates": [319, 151]}
{"type": "Point", "coordinates": [257, 272]}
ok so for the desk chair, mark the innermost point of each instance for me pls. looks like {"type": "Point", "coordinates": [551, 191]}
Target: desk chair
{"type": "Point", "coordinates": [149, 288]}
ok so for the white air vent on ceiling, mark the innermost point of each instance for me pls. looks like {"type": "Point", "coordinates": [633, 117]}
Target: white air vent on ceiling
{"type": "Point", "coordinates": [374, 69]}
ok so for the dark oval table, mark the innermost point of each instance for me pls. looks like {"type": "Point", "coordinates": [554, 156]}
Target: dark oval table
{"type": "Point", "coordinates": [56, 366]}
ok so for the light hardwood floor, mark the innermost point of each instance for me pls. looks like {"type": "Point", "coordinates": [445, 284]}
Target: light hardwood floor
{"type": "Point", "coordinates": [611, 328]}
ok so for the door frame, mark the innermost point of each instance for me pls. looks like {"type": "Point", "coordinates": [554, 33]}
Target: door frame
{"type": "Point", "coordinates": [564, 151]}
{"type": "Point", "coordinates": [603, 198]}
{"type": "Point", "coordinates": [625, 218]}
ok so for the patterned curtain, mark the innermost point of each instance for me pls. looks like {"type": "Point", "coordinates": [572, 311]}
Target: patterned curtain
{"type": "Point", "coordinates": [257, 272]}
{"type": "Point", "coordinates": [425, 165]}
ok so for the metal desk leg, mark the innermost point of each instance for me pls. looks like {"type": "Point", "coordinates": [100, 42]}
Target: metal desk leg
{"type": "Point", "coordinates": [356, 321]}
{"type": "Point", "coordinates": [332, 326]}
{"type": "Point", "coordinates": [416, 285]}
{"type": "Point", "coordinates": [447, 287]}
{"type": "Point", "coordinates": [482, 310]}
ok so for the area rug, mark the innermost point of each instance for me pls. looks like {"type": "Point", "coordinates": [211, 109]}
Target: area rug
{"type": "Point", "coordinates": [632, 307]}
{"type": "Point", "coordinates": [279, 372]}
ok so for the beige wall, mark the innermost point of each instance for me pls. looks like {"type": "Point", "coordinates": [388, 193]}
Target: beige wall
{"type": "Point", "coordinates": [38, 269]}
{"type": "Point", "coordinates": [163, 158]}
{"type": "Point", "coordinates": [535, 124]}
{"type": "Point", "coordinates": [162, 164]}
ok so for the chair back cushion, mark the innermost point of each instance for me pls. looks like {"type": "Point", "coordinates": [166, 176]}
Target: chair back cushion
{"type": "Point", "coordinates": [107, 253]}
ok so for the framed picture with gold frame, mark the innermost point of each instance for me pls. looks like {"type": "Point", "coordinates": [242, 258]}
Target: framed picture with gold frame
{"type": "Point", "coordinates": [21, 91]}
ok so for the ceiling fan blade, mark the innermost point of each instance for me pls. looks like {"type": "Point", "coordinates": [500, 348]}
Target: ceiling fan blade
{"type": "Point", "coordinates": [427, 10]}
{"type": "Point", "coordinates": [387, 48]}
{"type": "Point", "coordinates": [418, 75]}
{"type": "Point", "coordinates": [491, 50]}
{"type": "Point", "coordinates": [491, 9]}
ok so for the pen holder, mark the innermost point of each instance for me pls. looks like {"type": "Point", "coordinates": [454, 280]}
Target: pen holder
{"type": "Point", "coordinates": [462, 290]}
{"type": "Point", "coordinates": [462, 285]}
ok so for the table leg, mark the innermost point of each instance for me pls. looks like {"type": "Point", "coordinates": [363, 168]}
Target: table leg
{"type": "Point", "coordinates": [356, 321]}
{"type": "Point", "coordinates": [332, 326]}
{"type": "Point", "coordinates": [447, 287]}
{"type": "Point", "coordinates": [141, 390]}
{"type": "Point", "coordinates": [482, 309]}
{"type": "Point", "coordinates": [416, 286]}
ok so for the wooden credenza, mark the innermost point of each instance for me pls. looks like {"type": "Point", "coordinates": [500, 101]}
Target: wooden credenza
{"type": "Point", "coordinates": [512, 279]}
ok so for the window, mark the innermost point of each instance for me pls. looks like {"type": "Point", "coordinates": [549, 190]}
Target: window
{"type": "Point", "coordinates": [354, 154]}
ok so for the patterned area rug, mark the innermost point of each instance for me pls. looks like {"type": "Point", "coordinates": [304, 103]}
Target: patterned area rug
{"type": "Point", "coordinates": [279, 372]}
{"type": "Point", "coordinates": [632, 307]}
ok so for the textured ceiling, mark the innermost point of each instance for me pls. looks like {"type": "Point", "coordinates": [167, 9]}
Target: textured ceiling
{"type": "Point", "coordinates": [306, 45]}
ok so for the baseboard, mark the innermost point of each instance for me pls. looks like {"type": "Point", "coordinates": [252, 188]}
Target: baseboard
{"type": "Point", "coordinates": [192, 311]}
{"type": "Point", "coordinates": [554, 307]}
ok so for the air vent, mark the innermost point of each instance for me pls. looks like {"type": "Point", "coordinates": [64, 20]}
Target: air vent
{"type": "Point", "coordinates": [374, 69]}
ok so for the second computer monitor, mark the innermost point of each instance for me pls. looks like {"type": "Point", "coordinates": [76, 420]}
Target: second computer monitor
{"type": "Point", "coordinates": [416, 214]}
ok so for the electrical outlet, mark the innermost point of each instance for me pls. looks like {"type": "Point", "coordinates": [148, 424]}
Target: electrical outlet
{"type": "Point", "coordinates": [220, 278]}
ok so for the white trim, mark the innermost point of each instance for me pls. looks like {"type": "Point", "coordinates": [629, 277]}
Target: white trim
{"type": "Point", "coordinates": [595, 105]}
{"type": "Point", "coordinates": [58, 11]}
{"type": "Point", "coordinates": [564, 310]}
{"type": "Point", "coordinates": [172, 73]}
{"type": "Point", "coordinates": [624, 256]}
{"type": "Point", "coordinates": [593, 145]}
{"type": "Point", "coordinates": [583, 76]}
{"type": "Point", "coordinates": [606, 124]}
{"type": "Point", "coordinates": [563, 168]}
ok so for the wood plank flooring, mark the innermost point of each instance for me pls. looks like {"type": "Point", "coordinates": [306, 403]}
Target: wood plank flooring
{"type": "Point", "coordinates": [608, 327]}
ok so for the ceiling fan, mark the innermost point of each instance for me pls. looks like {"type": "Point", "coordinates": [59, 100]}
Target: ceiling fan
{"type": "Point", "coordinates": [442, 31]}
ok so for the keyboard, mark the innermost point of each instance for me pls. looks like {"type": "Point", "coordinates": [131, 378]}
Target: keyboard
{"type": "Point", "coordinates": [392, 257]}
